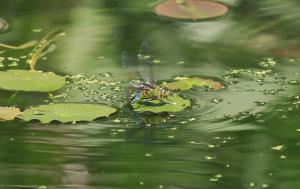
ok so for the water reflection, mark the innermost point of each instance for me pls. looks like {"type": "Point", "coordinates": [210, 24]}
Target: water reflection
{"type": "Point", "coordinates": [227, 139]}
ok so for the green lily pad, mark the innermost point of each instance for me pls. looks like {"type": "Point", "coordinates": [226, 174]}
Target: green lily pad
{"type": "Point", "coordinates": [170, 104]}
{"type": "Point", "coordinates": [7, 113]}
{"type": "Point", "coordinates": [68, 112]}
{"type": "Point", "coordinates": [188, 83]}
{"type": "Point", "coordinates": [37, 81]}
{"type": "Point", "coordinates": [191, 9]}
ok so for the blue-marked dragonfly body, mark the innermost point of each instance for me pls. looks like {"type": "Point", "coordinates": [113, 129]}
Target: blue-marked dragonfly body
{"type": "Point", "coordinates": [143, 71]}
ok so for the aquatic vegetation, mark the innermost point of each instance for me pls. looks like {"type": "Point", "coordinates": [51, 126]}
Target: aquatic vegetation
{"type": "Point", "coordinates": [92, 89]}
{"type": "Point", "coordinates": [172, 103]}
{"type": "Point", "coordinates": [66, 112]}
{"type": "Point", "coordinates": [191, 9]}
{"type": "Point", "coordinates": [41, 46]}
{"type": "Point", "coordinates": [184, 83]}
{"type": "Point", "coordinates": [8, 113]}
{"type": "Point", "coordinates": [19, 47]}
{"type": "Point", "coordinates": [23, 80]}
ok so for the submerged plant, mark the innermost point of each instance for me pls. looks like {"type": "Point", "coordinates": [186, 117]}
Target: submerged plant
{"type": "Point", "coordinates": [41, 46]}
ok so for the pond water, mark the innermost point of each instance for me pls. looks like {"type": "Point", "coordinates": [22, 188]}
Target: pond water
{"type": "Point", "coordinates": [246, 135]}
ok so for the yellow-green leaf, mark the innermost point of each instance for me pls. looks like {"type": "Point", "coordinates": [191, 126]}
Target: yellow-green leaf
{"type": "Point", "coordinates": [188, 83]}
{"type": "Point", "coordinates": [8, 113]}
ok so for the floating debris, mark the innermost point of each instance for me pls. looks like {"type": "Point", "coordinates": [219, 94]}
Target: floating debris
{"type": "Point", "coordinates": [279, 148]}
{"type": "Point", "coordinates": [268, 62]}
{"type": "Point", "coordinates": [283, 157]}
{"type": "Point", "coordinates": [37, 30]}
{"type": "Point", "coordinates": [216, 101]}
{"type": "Point", "coordinates": [210, 157]}
{"type": "Point", "coordinates": [264, 185]}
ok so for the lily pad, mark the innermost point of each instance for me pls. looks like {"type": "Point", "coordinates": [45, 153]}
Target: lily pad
{"type": "Point", "coordinates": [23, 80]}
{"type": "Point", "coordinates": [170, 104]}
{"type": "Point", "coordinates": [191, 9]}
{"type": "Point", "coordinates": [67, 112]}
{"type": "Point", "coordinates": [188, 83]}
{"type": "Point", "coordinates": [7, 113]}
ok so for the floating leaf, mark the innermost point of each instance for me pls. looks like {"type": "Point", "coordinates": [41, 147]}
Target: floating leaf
{"type": "Point", "coordinates": [191, 9]}
{"type": "Point", "coordinates": [188, 83]}
{"type": "Point", "coordinates": [68, 112]}
{"type": "Point", "coordinates": [7, 113]}
{"type": "Point", "coordinates": [178, 85]}
{"type": "Point", "coordinates": [170, 104]}
{"type": "Point", "coordinates": [3, 25]}
{"type": "Point", "coordinates": [23, 80]}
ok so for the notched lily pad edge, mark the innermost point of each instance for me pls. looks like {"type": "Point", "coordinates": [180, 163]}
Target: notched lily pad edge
{"type": "Point", "coordinates": [19, 116]}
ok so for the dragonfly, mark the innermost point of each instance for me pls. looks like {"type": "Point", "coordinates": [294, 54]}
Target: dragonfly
{"type": "Point", "coordinates": [141, 67]}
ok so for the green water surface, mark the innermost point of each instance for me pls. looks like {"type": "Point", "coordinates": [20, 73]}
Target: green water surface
{"type": "Point", "coordinates": [243, 136]}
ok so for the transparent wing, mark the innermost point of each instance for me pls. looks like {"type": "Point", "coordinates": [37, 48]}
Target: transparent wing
{"type": "Point", "coordinates": [146, 63]}
{"type": "Point", "coordinates": [130, 66]}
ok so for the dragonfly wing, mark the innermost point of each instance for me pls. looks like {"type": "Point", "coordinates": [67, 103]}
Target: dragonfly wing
{"type": "Point", "coordinates": [137, 85]}
{"type": "Point", "coordinates": [146, 63]}
{"type": "Point", "coordinates": [130, 66]}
